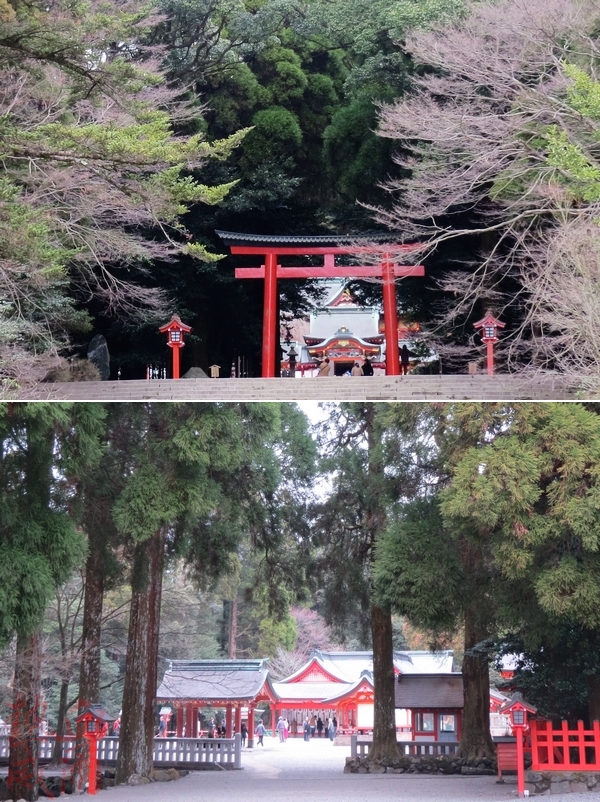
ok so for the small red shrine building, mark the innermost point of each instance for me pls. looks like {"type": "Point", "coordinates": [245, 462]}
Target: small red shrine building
{"type": "Point", "coordinates": [341, 330]}
{"type": "Point", "coordinates": [191, 685]}
{"type": "Point", "coordinates": [340, 684]}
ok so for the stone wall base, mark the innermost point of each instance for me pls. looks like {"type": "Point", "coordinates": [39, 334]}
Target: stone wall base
{"type": "Point", "coordinates": [561, 782]}
{"type": "Point", "coordinates": [445, 764]}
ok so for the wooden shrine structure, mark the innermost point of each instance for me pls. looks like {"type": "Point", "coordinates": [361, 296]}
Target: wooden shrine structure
{"type": "Point", "coordinates": [272, 248]}
{"type": "Point", "coordinates": [329, 684]}
{"type": "Point", "coordinates": [191, 685]}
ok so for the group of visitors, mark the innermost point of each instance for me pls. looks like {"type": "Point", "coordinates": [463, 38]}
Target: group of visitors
{"type": "Point", "coordinates": [315, 725]}
{"type": "Point", "coordinates": [216, 730]}
{"type": "Point", "coordinates": [283, 729]}
{"type": "Point", "coordinates": [366, 369]}
{"type": "Point", "coordinates": [311, 727]}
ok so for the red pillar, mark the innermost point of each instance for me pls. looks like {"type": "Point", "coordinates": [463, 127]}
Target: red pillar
{"type": "Point", "coordinates": [93, 751]}
{"type": "Point", "coordinates": [175, 350]}
{"type": "Point", "coordinates": [270, 333]}
{"type": "Point", "coordinates": [250, 727]}
{"type": "Point", "coordinates": [228, 722]}
{"type": "Point", "coordinates": [520, 763]}
{"type": "Point", "coordinates": [490, 357]}
{"type": "Point", "coordinates": [274, 720]}
{"type": "Point", "coordinates": [390, 316]}
{"type": "Point", "coordinates": [238, 719]}
{"type": "Point", "coordinates": [179, 713]}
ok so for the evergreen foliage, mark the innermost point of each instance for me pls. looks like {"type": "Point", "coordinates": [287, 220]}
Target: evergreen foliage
{"type": "Point", "coordinates": [41, 456]}
{"type": "Point", "coordinates": [502, 534]}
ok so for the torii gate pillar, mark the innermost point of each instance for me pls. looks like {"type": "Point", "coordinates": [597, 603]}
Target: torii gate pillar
{"type": "Point", "coordinates": [390, 317]}
{"type": "Point", "coordinates": [270, 344]}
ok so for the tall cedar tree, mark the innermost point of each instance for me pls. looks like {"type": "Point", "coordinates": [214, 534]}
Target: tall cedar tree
{"type": "Point", "coordinates": [533, 492]}
{"type": "Point", "coordinates": [202, 475]}
{"type": "Point", "coordinates": [348, 524]}
{"type": "Point", "coordinates": [98, 490]}
{"type": "Point", "coordinates": [503, 536]}
{"type": "Point", "coordinates": [45, 450]}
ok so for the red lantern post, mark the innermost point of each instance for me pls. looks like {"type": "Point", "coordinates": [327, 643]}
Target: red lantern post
{"type": "Point", "coordinates": [519, 710]}
{"type": "Point", "coordinates": [175, 330]}
{"type": "Point", "coordinates": [489, 326]}
{"type": "Point", "coordinates": [95, 721]}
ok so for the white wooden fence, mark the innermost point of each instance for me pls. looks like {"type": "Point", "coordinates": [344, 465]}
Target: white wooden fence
{"type": "Point", "coordinates": [168, 752]}
{"type": "Point", "coordinates": [359, 747]}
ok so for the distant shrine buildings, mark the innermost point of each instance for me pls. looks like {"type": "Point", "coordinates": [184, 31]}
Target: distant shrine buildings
{"type": "Point", "coordinates": [429, 695]}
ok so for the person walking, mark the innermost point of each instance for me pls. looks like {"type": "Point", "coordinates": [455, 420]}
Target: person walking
{"type": "Point", "coordinates": [313, 725]}
{"type": "Point", "coordinates": [367, 368]}
{"type": "Point", "coordinates": [331, 730]}
{"type": "Point", "coordinates": [323, 368]}
{"type": "Point", "coordinates": [356, 370]}
{"type": "Point", "coordinates": [320, 726]}
{"type": "Point", "coordinates": [280, 729]}
{"type": "Point", "coordinates": [306, 730]}
{"type": "Point", "coordinates": [244, 733]}
{"type": "Point", "coordinates": [260, 732]}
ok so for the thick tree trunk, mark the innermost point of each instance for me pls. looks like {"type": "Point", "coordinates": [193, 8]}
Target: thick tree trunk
{"type": "Point", "coordinates": [24, 730]}
{"type": "Point", "coordinates": [89, 673]}
{"type": "Point", "coordinates": [60, 725]}
{"type": "Point", "coordinates": [136, 736]}
{"type": "Point", "coordinates": [385, 746]}
{"type": "Point", "coordinates": [476, 740]}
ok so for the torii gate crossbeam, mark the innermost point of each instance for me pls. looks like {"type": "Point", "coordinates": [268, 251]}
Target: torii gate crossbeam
{"type": "Point", "coordinates": [387, 270]}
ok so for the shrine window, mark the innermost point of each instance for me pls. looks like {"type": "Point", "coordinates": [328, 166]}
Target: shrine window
{"type": "Point", "coordinates": [447, 722]}
{"type": "Point", "coordinates": [425, 722]}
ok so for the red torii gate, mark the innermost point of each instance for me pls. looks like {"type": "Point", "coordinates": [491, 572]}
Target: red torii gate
{"type": "Point", "coordinates": [273, 247]}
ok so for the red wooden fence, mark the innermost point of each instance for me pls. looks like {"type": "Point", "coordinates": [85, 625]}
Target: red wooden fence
{"type": "Point", "coordinates": [564, 749]}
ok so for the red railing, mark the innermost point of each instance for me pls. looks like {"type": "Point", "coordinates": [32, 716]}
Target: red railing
{"type": "Point", "coordinates": [564, 749]}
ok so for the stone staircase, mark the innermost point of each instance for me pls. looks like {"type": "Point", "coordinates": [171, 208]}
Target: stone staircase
{"type": "Point", "coordinates": [368, 388]}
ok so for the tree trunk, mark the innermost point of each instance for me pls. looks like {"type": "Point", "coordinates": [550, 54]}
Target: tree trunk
{"type": "Point", "coordinates": [136, 736]}
{"type": "Point", "coordinates": [24, 730]}
{"type": "Point", "coordinates": [385, 746]}
{"type": "Point", "coordinates": [233, 621]}
{"type": "Point", "coordinates": [89, 673]}
{"type": "Point", "coordinates": [475, 740]}
{"type": "Point", "coordinates": [593, 683]}
{"type": "Point", "coordinates": [60, 725]}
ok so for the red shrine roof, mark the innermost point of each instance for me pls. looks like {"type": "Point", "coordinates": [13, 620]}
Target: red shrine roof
{"type": "Point", "coordinates": [344, 342]}
{"type": "Point", "coordinates": [363, 687]}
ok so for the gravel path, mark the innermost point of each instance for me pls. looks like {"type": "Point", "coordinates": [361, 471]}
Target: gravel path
{"type": "Point", "coordinates": [297, 770]}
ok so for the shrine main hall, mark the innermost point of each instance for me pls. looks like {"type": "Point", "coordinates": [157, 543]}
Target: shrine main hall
{"type": "Point", "coordinates": [429, 694]}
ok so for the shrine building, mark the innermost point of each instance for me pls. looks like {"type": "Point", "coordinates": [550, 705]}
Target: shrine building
{"type": "Point", "coordinates": [343, 331]}
{"type": "Point", "coordinates": [236, 686]}
{"type": "Point", "coordinates": [328, 685]}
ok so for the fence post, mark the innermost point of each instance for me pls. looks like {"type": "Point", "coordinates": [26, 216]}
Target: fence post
{"type": "Point", "coordinates": [237, 762]}
{"type": "Point", "coordinates": [353, 745]}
